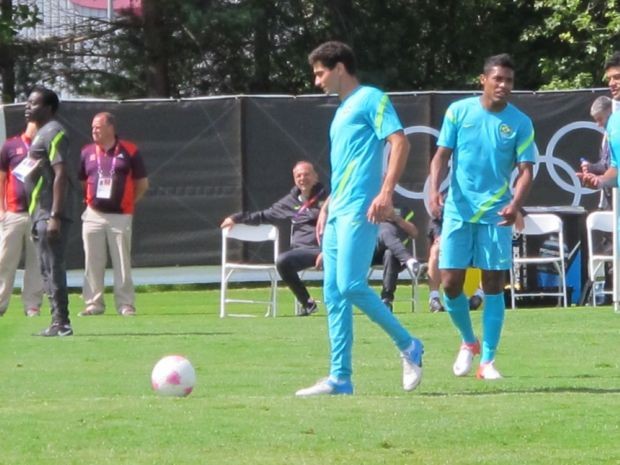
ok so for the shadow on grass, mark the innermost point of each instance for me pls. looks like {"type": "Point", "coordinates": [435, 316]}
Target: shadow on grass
{"type": "Point", "coordinates": [534, 390]}
{"type": "Point", "coordinates": [166, 333]}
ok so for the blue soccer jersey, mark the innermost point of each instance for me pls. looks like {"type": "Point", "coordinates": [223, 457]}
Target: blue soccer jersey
{"type": "Point", "coordinates": [613, 139]}
{"type": "Point", "coordinates": [486, 147]}
{"type": "Point", "coordinates": [357, 133]}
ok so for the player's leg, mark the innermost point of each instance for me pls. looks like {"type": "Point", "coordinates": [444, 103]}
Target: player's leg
{"type": "Point", "coordinates": [434, 275]}
{"type": "Point", "coordinates": [356, 244]}
{"type": "Point", "coordinates": [356, 241]}
{"type": "Point", "coordinates": [455, 256]}
{"type": "Point", "coordinates": [494, 257]}
{"type": "Point", "coordinates": [340, 323]}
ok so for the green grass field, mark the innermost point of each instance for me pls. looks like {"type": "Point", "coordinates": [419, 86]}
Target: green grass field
{"type": "Point", "coordinates": [87, 399]}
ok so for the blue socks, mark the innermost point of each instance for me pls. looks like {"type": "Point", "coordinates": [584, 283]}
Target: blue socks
{"type": "Point", "coordinates": [458, 309]}
{"type": "Point", "coordinates": [492, 323]}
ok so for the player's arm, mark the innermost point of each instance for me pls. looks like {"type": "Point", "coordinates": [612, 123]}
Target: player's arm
{"type": "Point", "coordinates": [410, 229]}
{"type": "Point", "coordinates": [59, 188]}
{"type": "Point", "coordinates": [2, 193]}
{"type": "Point", "coordinates": [321, 220]}
{"type": "Point", "coordinates": [522, 188]}
{"type": "Point", "coordinates": [381, 207]}
{"type": "Point", "coordinates": [607, 179]}
{"type": "Point", "coordinates": [438, 170]}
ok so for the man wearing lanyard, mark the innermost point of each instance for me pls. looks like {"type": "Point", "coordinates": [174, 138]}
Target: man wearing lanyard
{"type": "Point", "coordinates": [114, 179]}
{"type": "Point", "coordinates": [16, 227]}
{"type": "Point", "coordinates": [301, 206]}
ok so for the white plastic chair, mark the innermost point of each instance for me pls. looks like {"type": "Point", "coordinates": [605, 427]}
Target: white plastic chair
{"type": "Point", "coordinates": [602, 221]}
{"type": "Point", "coordinates": [537, 224]}
{"type": "Point", "coordinates": [248, 233]}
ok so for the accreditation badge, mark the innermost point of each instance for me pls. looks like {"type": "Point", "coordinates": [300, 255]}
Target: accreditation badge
{"type": "Point", "coordinates": [104, 187]}
{"type": "Point", "coordinates": [25, 168]}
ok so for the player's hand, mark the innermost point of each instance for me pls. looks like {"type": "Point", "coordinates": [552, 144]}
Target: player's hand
{"type": "Point", "coordinates": [318, 263]}
{"type": "Point", "coordinates": [227, 223]}
{"type": "Point", "coordinates": [320, 225]}
{"type": "Point", "coordinates": [509, 214]}
{"type": "Point", "coordinates": [589, 179]}
{"type": "Point", "coordinates": [436, 204]}
{"type": "Point", "coordinates": [380, 209]}
{"type": "Point", "coordinates": [53, 229]}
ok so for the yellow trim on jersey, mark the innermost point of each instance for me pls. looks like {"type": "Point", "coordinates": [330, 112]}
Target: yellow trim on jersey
{"type": "Point", "coordinates": [523, 147]}
{"type": "Point", "coordinates": [489, 204]}
{"type": "Point", "coordinates": [345, 178]}
{"type": "Point", "coordinates": [381, 112]}
{"type": "Point", "coordinates": [52, 155]}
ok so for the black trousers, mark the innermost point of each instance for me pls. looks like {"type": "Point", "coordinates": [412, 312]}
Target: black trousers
{"type": "Point", "coordinates": [290, 263]}
{"type": "Point", "coordinates": [393, 255]}
{"type": "Point", "coordinates": [51, 254]}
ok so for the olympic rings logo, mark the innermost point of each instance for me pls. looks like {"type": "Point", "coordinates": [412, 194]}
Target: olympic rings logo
{"type": "Point", "coordinates": [549, 159]}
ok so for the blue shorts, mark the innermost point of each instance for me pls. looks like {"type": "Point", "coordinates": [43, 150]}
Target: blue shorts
{"type": "Point", "coordinates": [484, 246]}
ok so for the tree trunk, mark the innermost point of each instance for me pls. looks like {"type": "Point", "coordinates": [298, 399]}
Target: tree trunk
{"type": "Point", "coordinates": [7, 59]}
{"type": "Point", "coordinates": [157, 77]}
{"type": "Point", "coordinates": [262, 47]}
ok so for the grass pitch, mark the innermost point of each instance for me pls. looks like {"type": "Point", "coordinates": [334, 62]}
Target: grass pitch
{"type": "Point", "coordinates": [86, 399]}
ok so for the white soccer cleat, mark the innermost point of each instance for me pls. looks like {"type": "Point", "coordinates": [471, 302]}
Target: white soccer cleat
{"type": "Point", "coordinates": [412, 365]}
{"type": "Point", "coordinates": [488, 371]}
{"type": "Point", "coordinates": [464, 359]}
{"type": "Point", "coordinates": [325, 387]}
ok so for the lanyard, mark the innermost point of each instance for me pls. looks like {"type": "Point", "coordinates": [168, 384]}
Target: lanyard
{"type": "Point", "coordinates": [27, 141]}
{"type": "Point", "coordinates": [308, 203]}
{"type": "Point", "coordinates": [100, 153]}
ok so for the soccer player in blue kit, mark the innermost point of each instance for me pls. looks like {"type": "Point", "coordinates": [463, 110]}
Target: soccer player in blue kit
{"type": "Point", "coordinates": [609, 178]}
{"type": "Point", "coordinates": [486, 137]}
{"type": "Point", "coordinates": [361, 198]}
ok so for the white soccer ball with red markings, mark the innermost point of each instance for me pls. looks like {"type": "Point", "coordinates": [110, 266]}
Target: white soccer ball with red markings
{"type": "Point", "coordinates": [173, 375]}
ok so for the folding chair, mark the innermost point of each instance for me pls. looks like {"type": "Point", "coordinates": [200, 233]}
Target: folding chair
{"type": "Point", "coordinates": [247, 233]}
{"type": "Point", "coordinates": [602, 221]}
{"type": "Point", "coordinates": [537, 224]}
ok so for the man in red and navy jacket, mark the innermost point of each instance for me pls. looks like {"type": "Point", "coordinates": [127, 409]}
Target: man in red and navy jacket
{"type": "Point", "coordinates": [16, 227]}
{"type": "Point", "coordinates": [114, 179]}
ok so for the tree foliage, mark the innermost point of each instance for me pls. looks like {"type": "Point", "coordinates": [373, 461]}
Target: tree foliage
{"type": "Point", "coordinates": [578, 35]}
{"type": "Point", "coordinates": [13, 18]}
{"type": "Point", "coordinates": [184, 48]}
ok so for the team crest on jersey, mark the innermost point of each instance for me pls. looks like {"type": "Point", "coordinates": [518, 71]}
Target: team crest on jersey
{"type": "Point", "coordinates": [20, 151]}
{"type": "Point", "coordinates": [505, 130]}
{"type": "Point", "coordinates": [92, 157]}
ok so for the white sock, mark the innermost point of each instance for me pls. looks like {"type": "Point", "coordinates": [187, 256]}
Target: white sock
{"type": "Point", "coordinates": [433, 295]}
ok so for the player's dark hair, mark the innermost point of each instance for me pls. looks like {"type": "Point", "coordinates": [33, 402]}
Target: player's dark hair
{"type": "Point", "coordinates": [329, 54]}
{"type": "Point", "coordinates": [613, 61]}
{"type": "Point", "coordinates": [503, 60]}
{"type": "Point", "coordinates": [50, 99]}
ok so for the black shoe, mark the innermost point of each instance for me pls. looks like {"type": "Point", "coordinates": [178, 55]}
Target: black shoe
{"type": "Point", "coordinates": [388, 304]}
{"type": "Point", "coordinates": [308, 309]}
{"type": "Point", "coordinates": [475, 301]}
{"type": "Point", "coordinates": [435, 305]}
{"type": "Point", "coordinates": [56, 330]}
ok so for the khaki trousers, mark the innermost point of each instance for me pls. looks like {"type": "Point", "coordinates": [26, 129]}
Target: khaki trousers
{"type": "Point", "coordinates": [15, 236]}
{"type": "Point", "coordinates": [103, 233]}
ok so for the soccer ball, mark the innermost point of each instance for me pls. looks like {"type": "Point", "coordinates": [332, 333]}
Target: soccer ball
{"type": "Point", "coordinates": [173, 375]}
